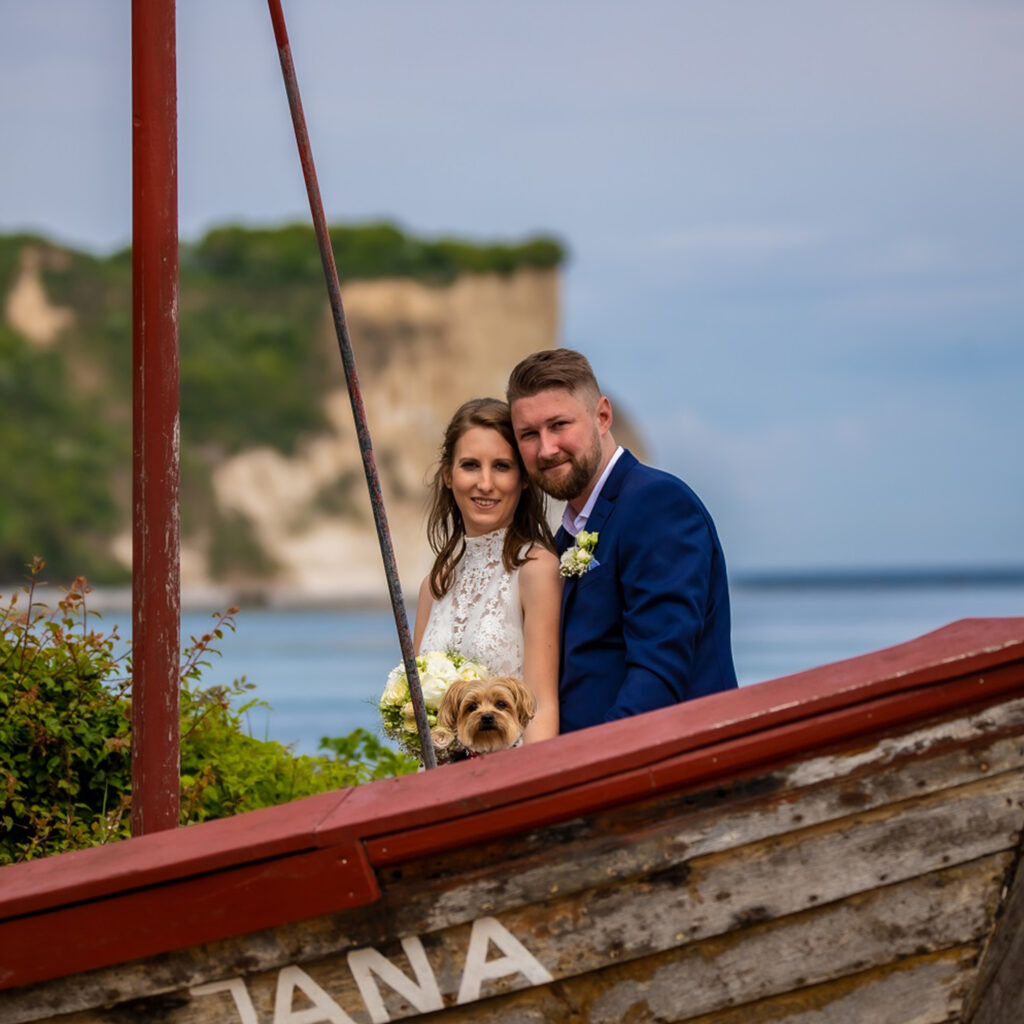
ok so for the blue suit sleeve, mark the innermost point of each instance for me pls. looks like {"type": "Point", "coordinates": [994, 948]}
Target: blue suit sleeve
{"type": "Point", "coordinates": [664, 565]}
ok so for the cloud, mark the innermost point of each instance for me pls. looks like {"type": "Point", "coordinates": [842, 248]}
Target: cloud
{"type": "Point", "coordinates": [735, 240]}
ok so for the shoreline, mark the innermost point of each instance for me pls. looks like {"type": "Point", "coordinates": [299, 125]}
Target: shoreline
{"type": "Point", "coordinates": [218, 598]}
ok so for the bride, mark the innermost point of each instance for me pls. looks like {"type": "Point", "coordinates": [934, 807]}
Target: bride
{"type": "Point", "coordinates": [494, 592]}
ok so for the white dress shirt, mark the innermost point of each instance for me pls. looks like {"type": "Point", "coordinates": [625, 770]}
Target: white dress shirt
{"type": "Point", "coordinates": [574, 523]}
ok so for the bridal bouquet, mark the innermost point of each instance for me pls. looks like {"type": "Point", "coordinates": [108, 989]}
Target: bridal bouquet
{"type": "Point", "coordinates": [437, 671]}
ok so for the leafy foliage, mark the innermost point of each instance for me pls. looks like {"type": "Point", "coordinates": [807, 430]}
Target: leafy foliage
{"type": "Point", "coordinates": [64, 745]}
{"type": "Point", "coordinates": [58, 458]}
{"type": "Point", "coordinates": [290, 254]}
{"type": "Point", "coordinates": [65, 734]}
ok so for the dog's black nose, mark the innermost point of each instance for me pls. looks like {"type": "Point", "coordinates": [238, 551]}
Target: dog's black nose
{"type": "Point", "coordinates": [487, 720]}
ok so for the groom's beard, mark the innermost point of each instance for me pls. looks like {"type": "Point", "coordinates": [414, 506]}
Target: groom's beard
{"type": "Point", "coordinates": [583, 469]}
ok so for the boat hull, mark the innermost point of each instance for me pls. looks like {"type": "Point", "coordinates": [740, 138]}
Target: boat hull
{"type": "Point", "coordinates": [839, 846]}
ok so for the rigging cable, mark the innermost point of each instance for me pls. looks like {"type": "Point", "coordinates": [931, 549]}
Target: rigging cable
{"type": "Point", "coordinates": [355, 395]}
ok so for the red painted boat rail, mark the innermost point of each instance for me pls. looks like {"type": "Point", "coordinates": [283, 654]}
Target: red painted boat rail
{"type": "Point", "coordinates": [258, 870]}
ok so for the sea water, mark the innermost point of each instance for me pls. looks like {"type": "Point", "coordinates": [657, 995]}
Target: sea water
{"type": "Point", "coordinates": [322, 670]}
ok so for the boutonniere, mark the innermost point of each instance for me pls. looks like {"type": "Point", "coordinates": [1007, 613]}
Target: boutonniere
{"type": "Point", "coordinates": [579, 559]}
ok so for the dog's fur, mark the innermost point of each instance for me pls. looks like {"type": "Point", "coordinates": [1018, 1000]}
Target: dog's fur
{"type": "Point", "coordinates": [486, 715]}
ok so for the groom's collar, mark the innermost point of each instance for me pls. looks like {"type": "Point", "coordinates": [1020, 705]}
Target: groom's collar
{"type": "Point", "coordinates": [573, 523]}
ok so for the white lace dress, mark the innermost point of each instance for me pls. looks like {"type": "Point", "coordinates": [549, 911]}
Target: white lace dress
{"type": "Point", "coordinates": [480, 616]}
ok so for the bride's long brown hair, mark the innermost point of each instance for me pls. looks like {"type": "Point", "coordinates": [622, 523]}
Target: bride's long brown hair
{"type": "Point", "coordinates": [446, 531]}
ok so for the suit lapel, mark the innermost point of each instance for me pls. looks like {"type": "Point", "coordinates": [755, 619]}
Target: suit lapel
{"type": "Point", "coordinates": [610, 492]}
{"type": "Point", "coordinates": [564, 541]}
{"type": "Point", "coordinates": [598, 517]}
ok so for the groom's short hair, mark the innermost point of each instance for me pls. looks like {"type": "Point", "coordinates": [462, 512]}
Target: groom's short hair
{"type": "Point", "coordinates": [553, 368]}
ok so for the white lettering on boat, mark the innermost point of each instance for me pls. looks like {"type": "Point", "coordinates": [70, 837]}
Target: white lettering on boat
{"type": "Point", "coordinates": [368, 967]}
{"type": "Point", "coordinates": [517, 959]}
{"type": "Point", "coordinates": [424, 995]}
{"type": "Point", "coordinates": [240, 994]}
{"type": "Point", "coordinates": [324, 1008]}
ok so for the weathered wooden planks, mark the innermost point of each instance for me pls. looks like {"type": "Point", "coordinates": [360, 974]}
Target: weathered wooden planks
{"type": "Point", "coordinates": [793, 964]}
{"type": "Point", "coordinates": [924, 990]}
{"type": "Point", "coordinates": [998, 993]}
{"type": "Point", "coordinates": [876, 936]}
{"type": "Point", "coordinates": [642, 838]}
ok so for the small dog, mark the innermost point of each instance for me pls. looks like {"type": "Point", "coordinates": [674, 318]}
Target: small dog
{"type": "Point", "coordinates": [483, 715]}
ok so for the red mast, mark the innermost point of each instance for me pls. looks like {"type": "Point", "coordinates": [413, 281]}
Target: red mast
{"type": "Point", "coordinates": [156, 625]}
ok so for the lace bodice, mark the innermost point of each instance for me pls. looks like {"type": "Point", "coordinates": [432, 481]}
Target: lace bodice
{"type": "Point", "coordinates": [480, 617]}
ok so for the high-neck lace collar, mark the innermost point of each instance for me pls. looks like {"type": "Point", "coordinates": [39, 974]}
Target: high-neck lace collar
{"type": "Point", "coordinates": [486, 546]}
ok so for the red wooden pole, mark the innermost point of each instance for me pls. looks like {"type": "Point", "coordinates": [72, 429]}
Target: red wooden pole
{"type": "Point", "coordinates": [156, 609]}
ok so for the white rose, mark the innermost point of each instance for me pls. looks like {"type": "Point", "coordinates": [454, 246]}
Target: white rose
{"type": "Point", "coordinates": [436, 676]}
{"type": "Point", "coordinates": [471, 670]}
{"type": "Point", "coordinates": [396, 689]}
{"type": "Point", "coordinates": [439, 664]}
{"type": "Point", "coordinates": [434, 688]}
{"type": "Point", "coordinates": [584, 557]}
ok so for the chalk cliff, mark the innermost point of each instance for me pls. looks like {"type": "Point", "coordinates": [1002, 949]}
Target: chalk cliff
{"type": "Point", "coordinates": [420, 351]}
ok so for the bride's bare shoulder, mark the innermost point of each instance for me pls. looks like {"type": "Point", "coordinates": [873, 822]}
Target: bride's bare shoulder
{"type": "Point", "coordinates": [540, 561]}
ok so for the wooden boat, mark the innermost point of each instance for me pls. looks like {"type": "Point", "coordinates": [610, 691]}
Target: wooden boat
{"type": "Point", "coordinates": [840, 845]}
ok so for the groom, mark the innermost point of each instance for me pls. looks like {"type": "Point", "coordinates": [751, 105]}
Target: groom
{"type": "Point", "coordinates": [645, 611]}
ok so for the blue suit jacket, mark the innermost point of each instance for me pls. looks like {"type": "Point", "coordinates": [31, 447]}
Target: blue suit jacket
{"type": "Point", "coordinates": [648, 625]}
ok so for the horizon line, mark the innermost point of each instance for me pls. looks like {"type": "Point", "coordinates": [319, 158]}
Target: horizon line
{"type": "Point", "coordinates": [865, 576]}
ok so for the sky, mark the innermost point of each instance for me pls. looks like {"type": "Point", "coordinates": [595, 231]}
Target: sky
{"type": "Point", "coordinates": [796, 229]}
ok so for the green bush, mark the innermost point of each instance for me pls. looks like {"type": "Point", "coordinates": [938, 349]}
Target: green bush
{"type": "Point", "coordinates": [65, 734]}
